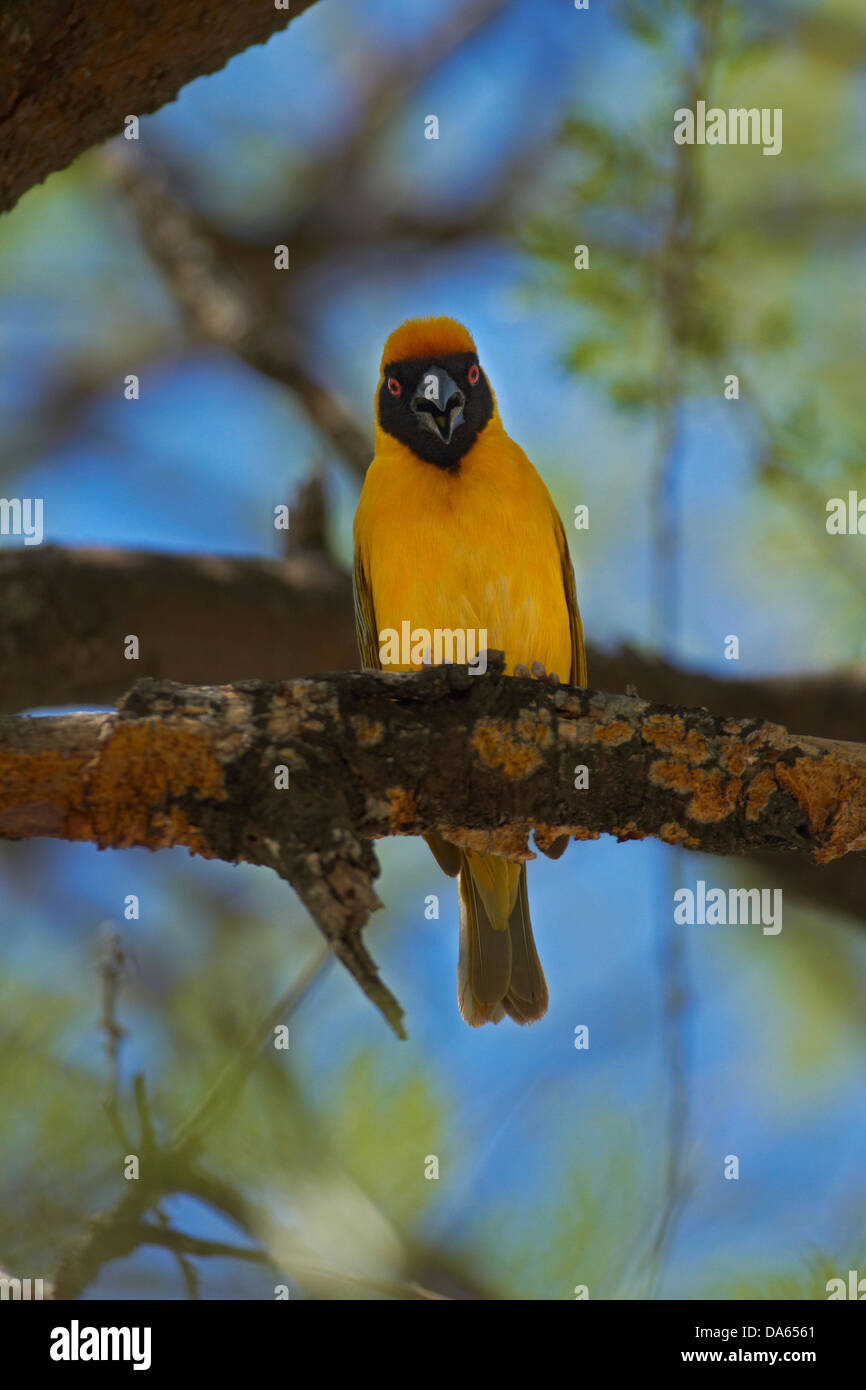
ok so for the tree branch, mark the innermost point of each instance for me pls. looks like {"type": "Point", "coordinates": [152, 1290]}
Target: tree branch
{"type": "Point", "coordinates": [483, 760]}
{"type": "Point", "coordinates": [208, 620]}
{"type": "Point", "coordinates": [218, 307]}
{"type": "Point", "coordinates": [71, 70]}
{"type": "Point", "coordinates": [212, 620]}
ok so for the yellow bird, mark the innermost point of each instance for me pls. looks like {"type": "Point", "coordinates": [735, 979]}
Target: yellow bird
{"type": "Point", "coordinates": [455, 530]}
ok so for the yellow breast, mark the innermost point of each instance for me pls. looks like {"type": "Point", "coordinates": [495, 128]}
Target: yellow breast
{"type": "Point", "coordinates": [475, 550]}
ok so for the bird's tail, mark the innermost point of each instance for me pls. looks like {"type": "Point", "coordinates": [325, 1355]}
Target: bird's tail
{"type": "Point", "coordinates": [498, 970]}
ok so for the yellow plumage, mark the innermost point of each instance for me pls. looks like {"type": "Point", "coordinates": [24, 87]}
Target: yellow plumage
{"type": "Point", "coordinates": [470, 540]}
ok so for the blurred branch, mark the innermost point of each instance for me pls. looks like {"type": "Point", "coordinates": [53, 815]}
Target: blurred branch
{"type": "Point", "coordinates": [228, 289]}
{"type": "Point", "coordinates": [210, 620]}
{"type": "Point", "coordinates": [72, 70]}
{"type": "Point", "coordinates": [224, 283]}
{"type": "Point", "coordinates": [384, 230]}
{"type": "Point", "coordinates": [332, 210]}
{"type": "Point", "coordinates": [297, 1258]}
{"type": "Point", "coordinates": [70, 393]}
{"type": "Point", "coordinates": [139, 1233]}
{"type": "Point", "coordinates": [229, 293]}
{"type": "Point", "coordinates": [170, 1169]}
{"type": "Point", "coordinates": [167, 1169]}
{"type": "Point", "coordinates": [112, 969]}
{"type": "Point", "coordinates": [189, 1135]}
{"type": "Point", "coordinates": [437, 1268]}
{"type": "Point", "coordinates": [483, 760]}
{"type": "Point", "coordinates": [118, 1233]}
{"type": "Point", "coordinates": [388, 84]}
{"type": "Point", "coordinates": [309, 516]}
{"type": "Point", "coordinates": [204, 619]}
{"type": "Point", "coordinates": [121, 1230]}
{"type": "Point", "coordinates": [219, 308]}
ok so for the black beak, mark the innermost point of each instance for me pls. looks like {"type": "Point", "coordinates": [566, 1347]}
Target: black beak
{"type": "Point", "coordinates": [438, 403]}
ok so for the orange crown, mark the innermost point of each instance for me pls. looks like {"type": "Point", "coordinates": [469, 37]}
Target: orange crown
{"type": "Point", "coordinates": [430, 337]}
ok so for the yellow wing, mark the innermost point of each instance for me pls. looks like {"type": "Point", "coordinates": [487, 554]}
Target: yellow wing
{"type": "Point", "coordinates": [365, 616]}
{"type": "Point", "coordinates": [577, 675]}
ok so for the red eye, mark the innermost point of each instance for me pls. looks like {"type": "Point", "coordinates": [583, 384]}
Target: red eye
{"type": "Point", "coordinates": [474, 374]}
{"type": "Point", "coordinates": [394, 386]}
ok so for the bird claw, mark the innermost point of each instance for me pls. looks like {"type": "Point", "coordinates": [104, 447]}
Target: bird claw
{"type": "Point", "coordinates": [538, 672]}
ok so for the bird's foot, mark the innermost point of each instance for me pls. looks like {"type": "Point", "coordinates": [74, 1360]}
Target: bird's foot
{"type": "Point", "coordinates": [538, 671]}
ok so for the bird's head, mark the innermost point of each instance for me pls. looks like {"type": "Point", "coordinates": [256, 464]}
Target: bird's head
{"type": "Point", "coordinates": [433, 395]}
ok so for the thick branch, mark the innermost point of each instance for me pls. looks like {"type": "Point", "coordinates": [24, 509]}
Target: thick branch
{"type": "Point", "coordinates": [207, 620]}
{"type": "Point", "coordinates": [71, 70]}
{"type": "Point", "coordinates": [483, 760]}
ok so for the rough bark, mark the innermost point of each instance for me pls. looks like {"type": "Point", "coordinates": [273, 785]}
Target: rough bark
{"type": "Point", "coordinates": [71, 70]}
{"type": "Point", "coordinates": [830, 704]}
{"type": "Point", "coordinates": [484, 760]}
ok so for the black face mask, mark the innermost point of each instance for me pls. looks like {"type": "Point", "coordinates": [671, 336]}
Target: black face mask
{"type": "Point", "coordinates": [437, 407]}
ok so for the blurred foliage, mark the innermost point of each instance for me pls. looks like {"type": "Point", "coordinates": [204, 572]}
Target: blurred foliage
{"type": "Point", "coordinates": [331, 1145]}
{"type": "Point", "coordinates": [710, 260]}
